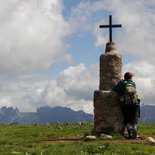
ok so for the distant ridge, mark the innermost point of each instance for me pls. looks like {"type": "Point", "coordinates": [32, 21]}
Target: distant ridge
{"type": "Point", "coordinates": [60, 114]}
{"type": "Point", "coordinates": [43, 115]}
{"type": "Point", "coordinates": [148, 113]}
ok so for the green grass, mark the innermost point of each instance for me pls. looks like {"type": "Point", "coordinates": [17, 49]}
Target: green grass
{"type": "Point", "coordinates": [32, 140]}
{"type": "Point", "coordinates": [147, 128]}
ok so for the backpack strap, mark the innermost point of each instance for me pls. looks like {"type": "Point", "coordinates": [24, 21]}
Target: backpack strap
{"type": "Point", "coordinates": [129, 82]}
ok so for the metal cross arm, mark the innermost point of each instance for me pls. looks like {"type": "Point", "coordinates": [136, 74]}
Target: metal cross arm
{"type": "Point", "coordinates": [110, 26]}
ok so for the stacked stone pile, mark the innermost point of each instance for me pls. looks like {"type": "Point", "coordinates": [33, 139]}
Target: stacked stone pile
{"type": "Point", "coordinates": [107, 112]}
{"type": "Point", "coordinates": [110, 67]}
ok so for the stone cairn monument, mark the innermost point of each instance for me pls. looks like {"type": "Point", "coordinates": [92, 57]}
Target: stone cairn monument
{"type": "Point", "coordinates": [107, 112]}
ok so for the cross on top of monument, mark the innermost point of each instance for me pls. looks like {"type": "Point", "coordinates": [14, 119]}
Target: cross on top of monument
{"type": "Point", "coordinates": [110, 26]}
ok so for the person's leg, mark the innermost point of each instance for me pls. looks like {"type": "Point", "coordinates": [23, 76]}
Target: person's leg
{"type": "Point", "coordinates": [130, 131]}
{"type": "Point", "coordinates": [134, 127]}
{"type": "Point", "coordinates": [132, 121]}
{"type": "Point", "coordinates": [126, 114]}
{"type": "Point", "coordinates": [135, 120]}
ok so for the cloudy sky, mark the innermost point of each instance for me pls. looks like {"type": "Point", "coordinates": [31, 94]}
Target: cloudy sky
{"type": "Point", "coordinates": [49, 50]}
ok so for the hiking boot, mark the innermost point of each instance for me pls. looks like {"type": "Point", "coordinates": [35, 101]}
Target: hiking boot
{"type": "Point", "coordinates": [129, 129]}
{"type": "Point", "coordinates": [132, 131]}
{"type": "Point", "coordinates": [132, 134]}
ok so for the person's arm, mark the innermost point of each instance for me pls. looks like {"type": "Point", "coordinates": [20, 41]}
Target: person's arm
{"type": "Point", "coordinates": [119, 88]}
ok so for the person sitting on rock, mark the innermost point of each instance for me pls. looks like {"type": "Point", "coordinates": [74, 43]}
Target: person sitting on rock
{"type": "Point", "coordinates": [130, 103]}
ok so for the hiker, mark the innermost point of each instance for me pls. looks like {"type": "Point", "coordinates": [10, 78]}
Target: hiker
{"type": "Point", "coordinates": [130, 103]}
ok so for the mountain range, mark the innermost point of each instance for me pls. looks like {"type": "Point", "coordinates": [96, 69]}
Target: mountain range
{"type": "Point", "coordinates": [43, 115]}
{"type": "Point", "coordinates": [60, 114]}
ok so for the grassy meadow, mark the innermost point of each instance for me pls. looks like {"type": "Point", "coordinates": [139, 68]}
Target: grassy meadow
{"type": "Point", "coordinates": [66, 139]}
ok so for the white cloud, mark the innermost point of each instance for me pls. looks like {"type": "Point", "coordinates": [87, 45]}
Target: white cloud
{"type": "Point", "coordinates": [53, 95]}
{"type": "Point", "coordinates": [136, 17]}
{"type": "Point", "coordinates": [31, 39]}
{"type": "Point", "coordinates": [6, 101]}
{"type": "Point", "coordinates": [85, 105]}
{"type": "Point", "coordinates": [23, 94]}
{"type": "Point", "coordinates": [78, 82]}
{"type": "Point", "coordinates": [31, 35]}
{"type": "Point", "coordinates": [73, 88]}
{"type": "Point", "coordinates": [144, 78]}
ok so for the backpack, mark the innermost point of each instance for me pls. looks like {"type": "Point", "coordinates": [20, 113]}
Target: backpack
{"type": "Point", "coordinates": [130, 93]}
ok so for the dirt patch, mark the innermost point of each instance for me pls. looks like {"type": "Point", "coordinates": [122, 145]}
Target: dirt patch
{"type": "Point", "coordinates": [64, 139]}
{"type": "Point", "coordinates": [81, 139]}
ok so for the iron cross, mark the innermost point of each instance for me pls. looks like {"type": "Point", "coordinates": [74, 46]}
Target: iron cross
{"type": "Point", "coordinates": [110, 26]}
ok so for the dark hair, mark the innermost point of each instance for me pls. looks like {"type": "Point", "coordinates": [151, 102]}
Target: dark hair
{"type": "Point", "coordinates": [128, 75]}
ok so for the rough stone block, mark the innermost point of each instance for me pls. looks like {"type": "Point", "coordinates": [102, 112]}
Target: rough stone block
{"type": "Point", "coordinates": [110, 70]}
{"type": "Point", "coordinates": [107, 112]}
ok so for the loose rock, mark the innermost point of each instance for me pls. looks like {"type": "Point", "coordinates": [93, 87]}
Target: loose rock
{"type": "Point", "coordinates": [105, 136]}
{"type": "Point", "coordinates": [90, 137]}
{"type": "Point", "coordinates": [150, 140]}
